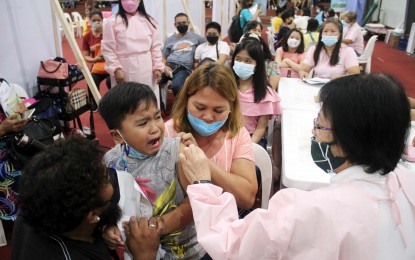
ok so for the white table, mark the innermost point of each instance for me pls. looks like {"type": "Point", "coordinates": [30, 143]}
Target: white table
{"type": "Point", "coordinates": [299, 110]}
{"type": "Point", "coordinates": [298, 95]}
{"type": "Point", "coordinates": [298, 169]}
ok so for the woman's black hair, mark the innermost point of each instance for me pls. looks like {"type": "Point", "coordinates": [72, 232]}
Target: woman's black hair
{"type": "Point", "coordinates": [254, 49]}
{"type": "Point", "coordinates": [370, 118]}
{"type": "Point", "coordinates": [300, 48]}
{"type": "Point", "coordinates": [312, 25]}
{"type": "Point", "coordinates": [331, 13]}
{"type": "Point", "coordinates": [306, 11]}
{"type": "Point", "coordinates": [265, 46]}
{"type": "Point", "coordinates": [252, 25]}
{"type": "Point", "coordinates": [96, 12]}
{"type": "Point", "coordinates": [334, 59]}
{"type": "Point", "coordinates": [141, 9]}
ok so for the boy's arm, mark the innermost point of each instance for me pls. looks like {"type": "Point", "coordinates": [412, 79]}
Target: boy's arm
{"type": "Point", "coordinates": [182, 215]}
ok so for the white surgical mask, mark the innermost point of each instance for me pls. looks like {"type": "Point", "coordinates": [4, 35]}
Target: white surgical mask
{"type": "Point", "coordinates": [293, 43]}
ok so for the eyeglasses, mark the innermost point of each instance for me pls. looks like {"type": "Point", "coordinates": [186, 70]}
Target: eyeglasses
{"type": "Point", "coordinates": [317, 126]}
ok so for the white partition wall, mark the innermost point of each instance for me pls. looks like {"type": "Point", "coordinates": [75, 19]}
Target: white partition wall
{"type": "Point", "coordinates": [26, 39]}
{"type": "Point", "coordinates": [222, 13]}
{"type": "Point", "coordinates": [163, 11]}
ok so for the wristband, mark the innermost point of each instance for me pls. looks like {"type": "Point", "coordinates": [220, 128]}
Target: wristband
{"type": "Point", "coordinates": [202, 181]}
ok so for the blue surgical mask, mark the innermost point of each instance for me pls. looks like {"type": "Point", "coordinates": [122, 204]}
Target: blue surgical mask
{"type": "Point", "coordinates": [345, 24]}
{"type": "Point", "coordinates": [203, 128]}
{"type": "Point", "coordinates": [329, 40]}
{"type": "Point", "coordinates": [243, 70]}
{"type": "Point", "coordinates": [323, 158]}
{"type": "Point", "coordinates": [131, 152]}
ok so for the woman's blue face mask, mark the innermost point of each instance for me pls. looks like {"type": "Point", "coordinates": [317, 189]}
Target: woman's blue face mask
{"type": "Point", "coordinates": [202, 128]}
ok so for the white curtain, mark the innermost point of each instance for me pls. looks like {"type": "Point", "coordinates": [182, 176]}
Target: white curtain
{"type": "Point", "coordinates": [222, 13]}
{"type": "Point", "coordinates": [26, 39]}
{"type": "Point", "coordinates": [163, 11]}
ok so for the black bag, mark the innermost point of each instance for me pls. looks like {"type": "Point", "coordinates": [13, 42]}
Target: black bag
{"type": "Point", "coordinates": [22, 146]}
{"type": "Point", "coordinates": [235, 31]}
{"type": "Point", "coordinates": [74, 75]}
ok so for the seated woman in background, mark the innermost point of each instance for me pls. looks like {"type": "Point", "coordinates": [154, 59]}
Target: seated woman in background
{"type": "Point", "coordinates": [259, 102]}
{"type": "Point", "coordinates": [329, 58]}
{"type": "Point", "coordinates": [91, 50]}
{"type": "Point", "coordinates": [367, 210]}
{"type": "Point", "coordinates": [271, 66]}
{"type": "Point", "coordinates": [9, 173]}
{"type": "Point", "coordinates": [290, 55]}
{"type": "Point", "coordinates": [207, 113]}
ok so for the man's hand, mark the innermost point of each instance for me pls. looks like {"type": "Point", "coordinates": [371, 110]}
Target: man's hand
{"type": "Point", "coordinates": [143, 237]}
{"type": "Point", "coordinates": [168, 71]}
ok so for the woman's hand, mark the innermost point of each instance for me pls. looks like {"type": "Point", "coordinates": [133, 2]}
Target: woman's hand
{"type": "Point", "coordinates": [303, 74]}
{"type": "Point", "coordinates": [119, 76]}
{"type": "Point", "coordinates": [413, 141]}
{"type": "Point", "coordinates": [143, 237]}
{"type": "Point", "coordinates": [12, 124]}
{"type": "Point", "coordinates": [187, 138]}
{"type": "Point", "coordinates": [195, 164]}
{"type": "Point", "coordinates": [99, 58]}
{"type": "Point", "coordinates": [157, 75]}
{"type": "Point", "coordinates": [112, 237]}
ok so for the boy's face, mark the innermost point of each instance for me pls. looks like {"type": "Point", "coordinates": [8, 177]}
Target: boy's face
{"type": "Point", "coordinates": [144, 129]}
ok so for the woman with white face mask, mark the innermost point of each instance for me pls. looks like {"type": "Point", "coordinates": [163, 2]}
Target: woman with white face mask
{"type": "Point", "coordinates": [259, 102]}
{"type": "Point", "coordinates": [132, 46]}
{"type": "Point", "coordinates": [290, 55]}
{"type": "Point", "coordinates": [329, 58]}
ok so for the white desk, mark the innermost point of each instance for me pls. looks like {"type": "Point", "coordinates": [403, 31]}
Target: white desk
{"type": "Point", "coordinates": [298, 169]}
{"type": "Point", "coordinates": [296, 94]}
{"type": "Point", "coordinates": [299, 110]}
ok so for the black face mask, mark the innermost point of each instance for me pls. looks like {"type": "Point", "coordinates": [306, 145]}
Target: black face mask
{"type": "Point", "coordinates": [212, 39]}
{"type": "Point", "coordinates": [182, 28]}
{"type": "Point", "coordinates": [113, 213]}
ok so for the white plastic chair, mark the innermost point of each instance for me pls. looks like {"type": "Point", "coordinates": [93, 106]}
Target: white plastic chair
{"type": "Point", "coordinates": [70, 23]}
{"type": "Point", "coordinates": [263, 161]}
{"type": "Point", "coordinates": [366, 57]}
{"type": "Point", "coordinates": [78, 23]}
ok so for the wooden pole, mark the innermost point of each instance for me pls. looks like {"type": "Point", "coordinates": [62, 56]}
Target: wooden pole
{"type": "Point", "coordinates": [57, 10]}
{"type": "Point", "coordinates": [186, 9]}
{"type": "Point", "coordinates": [55, 33]}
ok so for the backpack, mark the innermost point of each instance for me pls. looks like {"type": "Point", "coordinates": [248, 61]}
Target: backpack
{"type": "Point", "coordinates": [235, 31]}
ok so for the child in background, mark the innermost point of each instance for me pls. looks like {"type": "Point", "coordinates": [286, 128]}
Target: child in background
{"type": "Point", "coordinates": [312, 35]}
{"type": "Point", "coordinates": [291, 54]}
{"type": "Point", "coordinates": [131, 113]}
{"type": "Point", "coordinates": [259, 102]}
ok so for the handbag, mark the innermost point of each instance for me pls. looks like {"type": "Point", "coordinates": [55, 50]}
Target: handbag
{"type": "Point", "coordinates": [34, 137]}
{"type": "Point", "coordinates": [52, 69]}
{"type": "Point", "coordinates": [77, 99]}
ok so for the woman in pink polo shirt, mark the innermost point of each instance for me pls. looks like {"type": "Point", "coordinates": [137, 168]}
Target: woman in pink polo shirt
{"type": "Point", "coordinates": [329, 58]}
{"type": "Point", "coordinates": [207, 113]}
